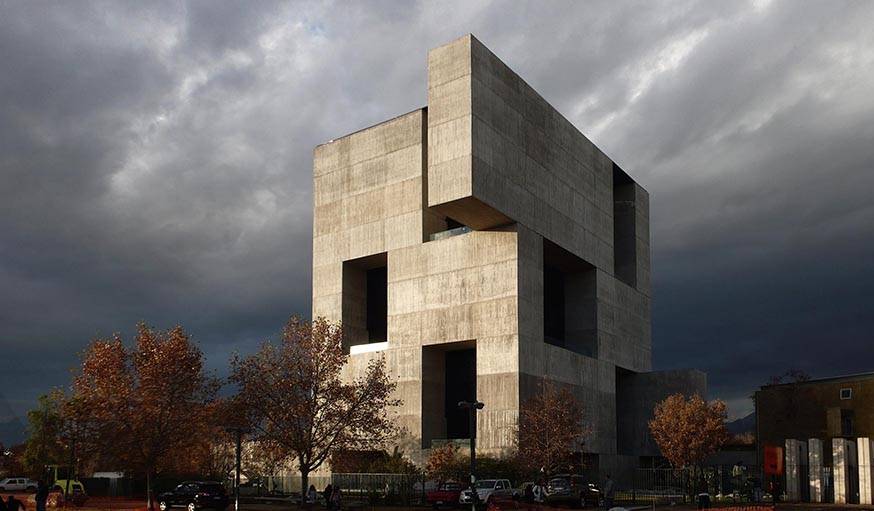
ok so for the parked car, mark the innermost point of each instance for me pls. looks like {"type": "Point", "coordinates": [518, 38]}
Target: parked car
{"type": "Point", "coordinates": [488, 489]}
{"type": "Point", "coordinates": [16, 484]}
{"type": "Point", "coordinates": [62, 479]}
{"type": "Point", "coordinates": [575, 490]}
{"type": "Point", "coordinates": [195, 495]}
{"type": "Point", "coordinates": [446, 493]}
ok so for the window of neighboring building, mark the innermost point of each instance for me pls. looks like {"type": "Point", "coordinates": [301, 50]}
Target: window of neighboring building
{"type": "Point", "coordinates": [847, 423]}
{"type": "Point", "coordinates": [846, 394]}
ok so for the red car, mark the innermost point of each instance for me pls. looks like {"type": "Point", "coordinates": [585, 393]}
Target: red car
{"type": "Point", "coordinates": [446, 493]}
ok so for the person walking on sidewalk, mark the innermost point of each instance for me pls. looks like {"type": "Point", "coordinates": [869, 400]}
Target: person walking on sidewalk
{"type": "Point", "coordinates": [609, 493]}
{"type": "Point", "coordinates": [42, 495]}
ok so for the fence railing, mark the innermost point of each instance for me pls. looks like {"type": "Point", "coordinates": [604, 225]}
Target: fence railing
{"type": "Point", "coordinates": [404, 489]}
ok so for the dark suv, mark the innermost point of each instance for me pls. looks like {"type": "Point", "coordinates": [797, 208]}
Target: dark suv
{"type": "Point", "coordinates": [575, 490]}
{"type": "Point", "coordinates": [195, 495]}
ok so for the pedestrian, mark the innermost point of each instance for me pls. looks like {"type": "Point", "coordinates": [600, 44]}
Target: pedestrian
{"type": "Point", "coordinates": [328, 493]}
{"type": "Point", "coordinates": [42, 495]}
{"type": "Point", "coordinates": [538, 492]}
{"type": "Point", "coordinates": [529, 492]}
{"type": "Point", "coordinates": [609, 492]}
{"type": "Point", "coordinates": [2, 504]}
{"type": "Point", "coordinates": [13, 504]}
{"type": "Point", "coordinates": [312, 495]}
{"type": "Point", "coordinates": [336, 499]}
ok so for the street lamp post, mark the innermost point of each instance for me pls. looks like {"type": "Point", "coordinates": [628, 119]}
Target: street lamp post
{"type": "Point", "coordinates": [238, 432]}
{"type": "Point", "coordinates": [472, 407]}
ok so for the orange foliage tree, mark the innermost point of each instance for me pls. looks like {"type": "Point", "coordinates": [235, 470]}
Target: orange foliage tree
{"type": "Point", "coordinates": [688, 430]}
{"type": "Point", "coordinates": [550, 429]}
{"type": "Point", "coordinates": [296, 399]}
{"type": "Point", "coordinates": [446, 463]}
{"type": "Point", "coordinates": [142, 406]}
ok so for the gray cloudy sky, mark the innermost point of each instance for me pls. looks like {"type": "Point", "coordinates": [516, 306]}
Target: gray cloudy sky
{"type": "Point", "coordinates": [155, 163]}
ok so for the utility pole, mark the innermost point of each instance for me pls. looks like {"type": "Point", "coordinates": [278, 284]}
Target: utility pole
{"type": "Point", "coordinates": [239, 432]}
{"type": "Point", "coordinates": [472, 407]}
{"type": "Point", "coordinates": [238, 450]}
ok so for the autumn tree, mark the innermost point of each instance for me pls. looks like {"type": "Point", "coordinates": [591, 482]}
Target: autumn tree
{"type": "Point", "coordinates": [44, 444]}
{"type": "Point", "coordinates": [296, 398]}
{"type": "Point", "coordinates": [792, 375]}
{"type": "Point", "coordinates": [143, 406]}
{"type": "Point", "coordinates": [446, 463]}
{"type": "Point", "coordinates": [550, 429]}
{"type": "Point", "coordinates": [687, 431]}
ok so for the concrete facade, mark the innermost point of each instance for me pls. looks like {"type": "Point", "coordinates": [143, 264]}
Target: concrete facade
{"type": "Point", "coordinates": [845, 470]}
{"type": "Point", "coordinates": [866, 470]}
{"type": "Point", "coordinates": [815, 462]}
{"type": "Point", "coordinates": [496, 228]}
{"type": "Point", "coordinates": [796, 467]}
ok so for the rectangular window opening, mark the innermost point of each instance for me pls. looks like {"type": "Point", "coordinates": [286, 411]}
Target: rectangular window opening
{"type": "Point", "coordinates": [847, 423]}
{"type": "Point", "coordinates": [446, 228]}
{"type": "Point", "coordinates": [365, 300]}
{"type": "Point", "coordinates": [377, 304]}
{"type": "Point", "coordinates": [448, 377]}
{"type": "Point", "coordinates": [569, 301]}
{"type": "Point", "coordinates": [624, 228]}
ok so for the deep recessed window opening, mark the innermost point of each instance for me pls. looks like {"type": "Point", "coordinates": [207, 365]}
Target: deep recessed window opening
{"type": "Point", "coordinates": [569, 301]}
{"type": "Point", "coordinates": [624, 228]}
{"type": "Point", "coordinates": [453, 228]}
{"type": "Point", "coordinates": [377, 304]}
{"type": "Point", "coordinates": [365, 300]}
{"type": "Point", "coordinates": [460, 371]}
{"type": "Point", "coordinates": [846, 394]}
{"type": "Point", "coordinates": [553, 305]}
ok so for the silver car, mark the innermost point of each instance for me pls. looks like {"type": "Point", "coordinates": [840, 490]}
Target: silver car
{"type": "Point", "coordinates": [12, 484]}
{"type": "Point", "coordinates": [487, 489]}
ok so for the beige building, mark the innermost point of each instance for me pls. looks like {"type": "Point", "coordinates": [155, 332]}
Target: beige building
{"type": "Point", "coordinates": [482, 244]}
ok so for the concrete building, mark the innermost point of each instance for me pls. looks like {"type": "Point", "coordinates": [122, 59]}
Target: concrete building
{"type": "Point", "coordinates": [481, 245]}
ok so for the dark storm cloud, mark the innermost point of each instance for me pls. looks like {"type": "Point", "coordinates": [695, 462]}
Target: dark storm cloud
{"type": "Point", "coordinates": [155, 163]}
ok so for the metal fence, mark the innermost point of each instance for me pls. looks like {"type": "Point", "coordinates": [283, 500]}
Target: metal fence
{"type": "Point", "coordinates": [724, 483]}
{"type": "Point", "coordinates": [402, 489]}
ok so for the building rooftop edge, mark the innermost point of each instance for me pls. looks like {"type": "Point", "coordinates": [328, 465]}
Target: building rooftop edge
{"type": "Point", "coordinates": [845, 377]}
{"type": "Point", "coordinates": [347, 135]}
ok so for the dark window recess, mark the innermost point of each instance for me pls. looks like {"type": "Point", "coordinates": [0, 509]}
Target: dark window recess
{"type": "Point", "coordinates": [377, 304]}
{"type": "Point", "coordinates": [453, 224]}
{"type": "Point", "coordinates": [846, 394]}
{"type": "Point", "coordinates": [553, 305]}
{"type": "Point", "coordinates": [569, 301]}
{"type": "Point", "coordinates": [624, 228]}
{"type": "Point", "coordinates": [365, 300]}
{"type": "Point", "coordinates": [847, 423]}
{"type": "Point", "coordinates": [460, 386]}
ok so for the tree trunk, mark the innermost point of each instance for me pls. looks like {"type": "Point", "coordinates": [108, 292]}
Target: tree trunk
{"type": "Point", "coordinates": [149, 504]}
{"type": "Point", "coordinates": [304, 486]}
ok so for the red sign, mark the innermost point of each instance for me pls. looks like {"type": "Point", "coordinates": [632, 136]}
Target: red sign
{"type": "Point", "coordinates": [773, 460]}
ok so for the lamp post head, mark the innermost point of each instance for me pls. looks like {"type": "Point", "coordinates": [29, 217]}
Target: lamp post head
{"type": "Point", "coordinates": [478, 405]}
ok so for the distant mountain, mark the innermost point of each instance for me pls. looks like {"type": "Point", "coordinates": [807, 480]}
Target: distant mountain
{"type": "Point", "coordinates": [12, 430]}
{"type": "Point", "coordinates": [743, 425]}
